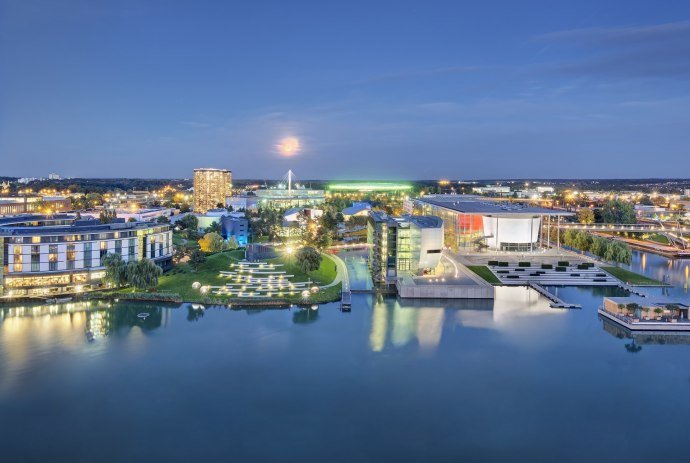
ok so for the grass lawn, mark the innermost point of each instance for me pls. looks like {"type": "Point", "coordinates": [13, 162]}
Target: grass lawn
{"type": "Point", "coordinates": [325, 274]}
{"type": "Point", "coordinates": [484, 272]}
{"type": "Point", "coordinates": [179, 280]}
{"type": "Point", "coordinates": [657, 238]}
{"type": "Point", "coordinates": [632, 278]}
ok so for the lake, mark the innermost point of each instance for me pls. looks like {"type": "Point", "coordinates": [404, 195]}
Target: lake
{"type": "Point", "coordinates": [506, 380]}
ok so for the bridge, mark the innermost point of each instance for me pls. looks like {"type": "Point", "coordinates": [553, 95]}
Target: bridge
{"type": "Point", "coordinates": [673, 233]}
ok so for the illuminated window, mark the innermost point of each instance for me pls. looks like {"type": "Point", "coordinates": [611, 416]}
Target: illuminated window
{"type": "Point", "coordinates": [52, 257]}
{"type": "Point", "coordinates": [71, 256]}
{"type": "Point", "coordinates": [17, 258]}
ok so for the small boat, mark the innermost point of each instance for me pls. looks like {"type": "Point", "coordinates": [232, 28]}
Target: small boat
{"type": "Point", "coordinates": [143, 315]}
{"type": "Point", "coordinates": [90, 336]}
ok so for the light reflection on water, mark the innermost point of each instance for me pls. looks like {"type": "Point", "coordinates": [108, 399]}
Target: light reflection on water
{"type": "Point", "coordinates": [392, 380]}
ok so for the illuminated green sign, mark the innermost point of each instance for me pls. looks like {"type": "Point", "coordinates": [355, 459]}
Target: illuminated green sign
{"type": "Point", "coordinates": [369, 186]}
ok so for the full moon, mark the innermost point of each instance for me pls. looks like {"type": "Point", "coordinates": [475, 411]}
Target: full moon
{"type": "Point", "coordinates": [289, 146]}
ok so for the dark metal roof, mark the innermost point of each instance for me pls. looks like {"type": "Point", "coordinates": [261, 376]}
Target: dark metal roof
{"type": "Point", "coordinates": [477, 205]}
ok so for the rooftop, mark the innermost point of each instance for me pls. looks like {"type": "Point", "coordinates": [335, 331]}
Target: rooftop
{"type": "Point", "coordinates": [470, 204]}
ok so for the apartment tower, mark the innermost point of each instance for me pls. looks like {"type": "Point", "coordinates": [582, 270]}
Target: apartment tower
{"type": "Point", "coordinates": [211, 186]}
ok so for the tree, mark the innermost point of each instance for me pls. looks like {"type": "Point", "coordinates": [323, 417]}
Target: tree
{"type": "Point", "coordinates": [162, 219]}
{"type": "Point", "coordinates": [215, 227]}
{"type": "Point", "coordinates": [616, 211]}
{"type": "Point", "coordinates": [143, 274]}
{"type": "Point", "coordinates": [196, 259]}
{"type": "Point", "coordinates": [598, 246]}
{"type": "Point", "coordinates": [131, 219]}
{"type": "Point", "coordinates": [189, 222]}
{"type": "Point", "coordinates": [232, 243]}
{"type": "Point", "coordinates": [582, 241]}
{"type": "Point", "coordinates": [107, 216]}
{"type": "Point", "coordinates": [115, 270]}
{"type": "Point", "coordinates": [309, 259]}
{"type": "Point", "coordinates": [323, 240]}
{"type": "Point", "coordinates": [212, 242]}
{"type": "Point", "coordinates": [585, 216]}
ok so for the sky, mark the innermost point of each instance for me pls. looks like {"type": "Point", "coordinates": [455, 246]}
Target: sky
{"type": "Point", "coordinates": [346, 89]}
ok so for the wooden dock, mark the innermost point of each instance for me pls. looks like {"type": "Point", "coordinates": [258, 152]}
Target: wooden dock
{"type": "Point", "coordinates": [556, 302]}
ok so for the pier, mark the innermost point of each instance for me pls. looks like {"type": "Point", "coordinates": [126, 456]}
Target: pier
{"type": "Point", "coordinates": [556, 302]}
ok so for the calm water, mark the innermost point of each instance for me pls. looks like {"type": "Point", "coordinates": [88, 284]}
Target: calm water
{"type": "Point", "coordinates": [510, 381]}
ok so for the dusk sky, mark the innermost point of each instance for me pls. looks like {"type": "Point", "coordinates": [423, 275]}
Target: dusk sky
{"type": "Point", "coordinates": [371, 89]}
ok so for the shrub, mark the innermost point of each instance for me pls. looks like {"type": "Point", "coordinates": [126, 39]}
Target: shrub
{"type": "Point", "coordinates": [524, 264]}
{"type": "Point", "coordinates": [546, 266]}
{"type": "Point", "coordinates": [560, 269]}
{"type": "Point", "coordinates": [503, 264]}
{"type": "Point", "coordinates": [563, 263]}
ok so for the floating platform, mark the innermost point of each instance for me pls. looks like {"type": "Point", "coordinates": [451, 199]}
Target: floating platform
{"type": "Point", "coordinates": [646, 325]}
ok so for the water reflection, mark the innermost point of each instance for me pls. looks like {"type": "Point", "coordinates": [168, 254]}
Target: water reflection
{"type": "Point", "coordinates": [305, 315]}
{"type": "Point", "coordinates": [638, 338]}
{"type": "Point", "coordinates": [422, 322]}
{"type": "Point", "coordinates": [675, 272]}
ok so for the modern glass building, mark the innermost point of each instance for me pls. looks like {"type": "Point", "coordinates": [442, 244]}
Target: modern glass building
{"type": "Point", "coordinates": [46, 256]}
{"type": "Point", "coordinates": [403, 244]}
{"type": "Point", "coordinates": [475, 223]}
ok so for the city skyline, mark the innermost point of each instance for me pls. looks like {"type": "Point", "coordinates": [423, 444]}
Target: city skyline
{"type": "Point", "coordinates": [368, 91]}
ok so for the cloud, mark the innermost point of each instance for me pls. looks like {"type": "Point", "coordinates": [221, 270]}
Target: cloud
{"type": "Point", "coordinates": [622, 35]}
{"type": "Point", "coordinates": [632, 52]}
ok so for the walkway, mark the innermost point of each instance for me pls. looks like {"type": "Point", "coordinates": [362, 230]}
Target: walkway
{"type": "Point", "coordinates": [358, 270]}
{"type": "Point", "coordinates": [341, 275]}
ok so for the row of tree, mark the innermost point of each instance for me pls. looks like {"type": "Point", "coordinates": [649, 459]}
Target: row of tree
{"type": "Point", "coordinates": [614, 211]}
{"type": "Point", "coordinates": [607, 249]}
{"type": "Point", "coordinates": [142, 274]}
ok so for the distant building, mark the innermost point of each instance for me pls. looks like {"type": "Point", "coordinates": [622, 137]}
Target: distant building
{"type": "Point", "coordinates": [358, 209]}
{"type": "Point", "coordinates": [242, 202]}
{"type": "Point", "coordinates": [50, 255]}
{"type": "Point", "coordinates": [294, 214]}
{"type": "Point", "coordinates": [231, 224]}
{"type": "Point", "coordinates": [403, 244]}
{"type": "Point", "coordinates": [492, 189]}
{"type": "Point", "coordinates": [686, 192]}
{"type": "Point", "coordinates": [237, 227]}
{"type": "Point", "coordinates": [35, 204]}
{"type": "Point", "coordinates": [53, 176]}
{"type": "Point", "coordinates": [144, 215]}
{"type": "Point", "coordinates": [211, 187]}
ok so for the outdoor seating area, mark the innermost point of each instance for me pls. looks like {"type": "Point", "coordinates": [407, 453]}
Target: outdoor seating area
{"type": "Point", "coordinates": [646, 308]}
{"type": "Point", "coordinates": [260, 280]}
{"type": "Point", "coordinates": [558, 273]}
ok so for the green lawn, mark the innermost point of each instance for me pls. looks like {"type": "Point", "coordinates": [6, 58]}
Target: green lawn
{"type": "Point", "coordinates": [632, 278]}
{"type": "Point", "coordinates": [657, 238]}
{"type": "Point", "coordinates": [484, 272]}
{"type": "Point", "coordinates": [325, 274]}
{"type": "Point", "coordinates": [179, 280]}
